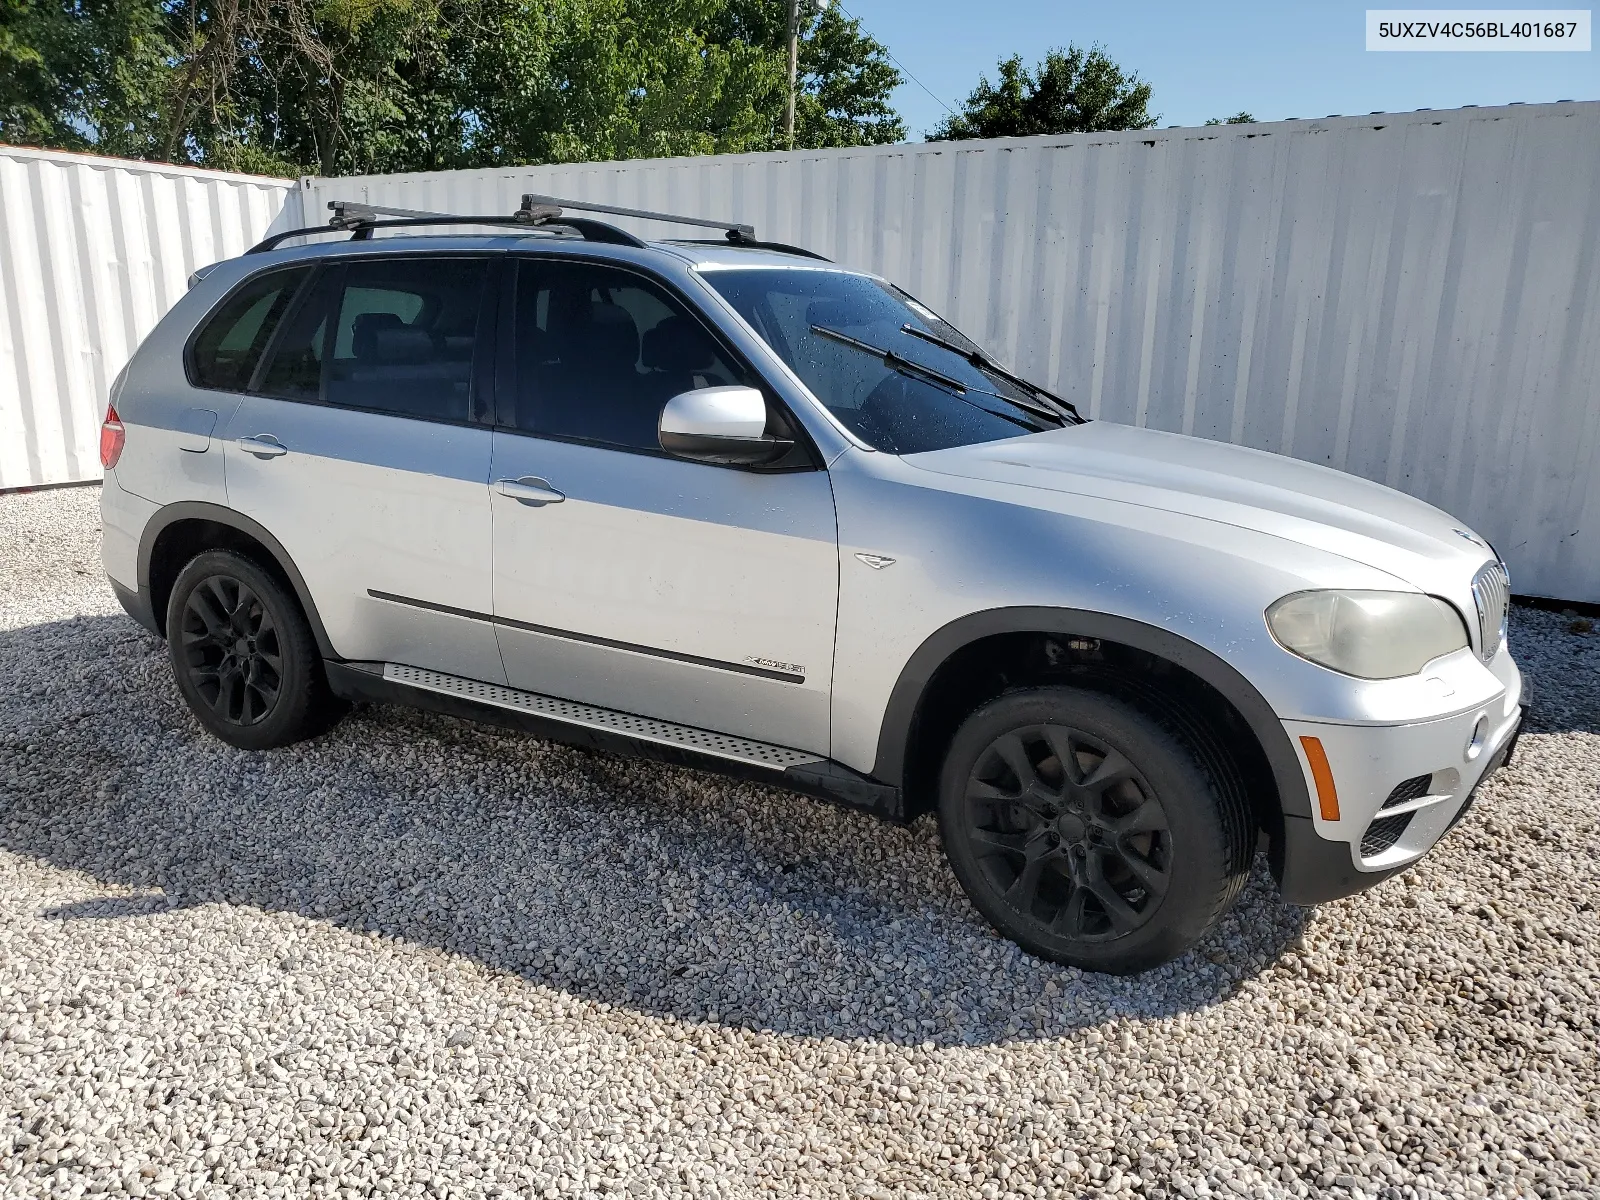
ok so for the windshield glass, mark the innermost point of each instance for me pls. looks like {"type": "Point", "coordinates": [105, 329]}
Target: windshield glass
{"type": "Point", "coordinates": [843, 336]}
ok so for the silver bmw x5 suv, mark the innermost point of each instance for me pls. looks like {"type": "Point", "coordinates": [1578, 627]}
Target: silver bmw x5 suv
{"type": "Point", "coordinates": [728, 504]}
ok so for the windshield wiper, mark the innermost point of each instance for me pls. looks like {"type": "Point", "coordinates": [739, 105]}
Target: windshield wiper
{"type": "Point", "coordinates": [911, 367]}
{"type": "Point", "coordinates": [1057, 407]}
{"type": "Point", "coordinates": [895, 362]}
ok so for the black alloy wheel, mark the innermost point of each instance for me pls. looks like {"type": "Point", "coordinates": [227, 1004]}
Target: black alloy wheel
{"type": "Point", "coordinates": [243, 654]}
{"type": "Point", "coordinates": [1068, 831]}
{"type": "Point", "coordinates": [231, 650]}
{"type": "Point", "coordinates": [1089, 830]}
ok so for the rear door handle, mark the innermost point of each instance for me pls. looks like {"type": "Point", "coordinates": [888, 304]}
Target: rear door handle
{"type": "Point", "coordinates": [262, 445]}
{"type": "Point", "coordinates": [530, 490]}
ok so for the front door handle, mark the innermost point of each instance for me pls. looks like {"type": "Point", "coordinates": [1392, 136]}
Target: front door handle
{"type": "Point", "coordinates": [530, 490]}
{"type": "Point", "coordinates": [262, 445]}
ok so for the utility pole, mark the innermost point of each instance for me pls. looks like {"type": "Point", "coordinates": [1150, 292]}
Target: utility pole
{"type": "Point", "coordinates": [794, 70]}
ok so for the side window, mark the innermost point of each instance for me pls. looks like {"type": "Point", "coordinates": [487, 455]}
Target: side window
{"type": "Point", "coordinates": [229, 344]}
{"type": "Point", "coordinates": [600, 351]}
{"type": "Point", "coordinates": [295, 369]}
{"type": "Point", "coordinates": [393, 335]}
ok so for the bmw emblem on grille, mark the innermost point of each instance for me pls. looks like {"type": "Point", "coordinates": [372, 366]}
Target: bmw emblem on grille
{"type": "Point", "coordinates": [1471, 537]}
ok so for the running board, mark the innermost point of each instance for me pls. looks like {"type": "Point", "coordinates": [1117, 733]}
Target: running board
{"type": "Point", "coordinates": [608, 720]}
{"type": "Point", "coordinates": [617, 732]}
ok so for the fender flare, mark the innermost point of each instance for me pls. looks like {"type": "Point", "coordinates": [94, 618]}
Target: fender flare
{"type": "Point", "coordinates": [906, 698]}
{"type": "Point", "coordinates": [199, 510]}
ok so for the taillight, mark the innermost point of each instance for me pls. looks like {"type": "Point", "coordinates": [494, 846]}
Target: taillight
{"type": "Point", "coordinates": [112, 437]}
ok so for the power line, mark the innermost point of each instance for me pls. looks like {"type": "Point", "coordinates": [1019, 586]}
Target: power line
{"type": "Point", "coordinates": [900, 64]}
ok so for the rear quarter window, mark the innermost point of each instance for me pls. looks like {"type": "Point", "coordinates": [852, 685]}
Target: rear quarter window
{"type": "Point", "coordinates": [229, 344]}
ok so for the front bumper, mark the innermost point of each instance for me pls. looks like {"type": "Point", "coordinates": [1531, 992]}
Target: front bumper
{"type": "Point", "coordinates": [1396, 790]}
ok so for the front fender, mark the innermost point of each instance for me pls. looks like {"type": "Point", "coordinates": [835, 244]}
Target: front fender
{"type": "Point", "coordinates": [900, 714]}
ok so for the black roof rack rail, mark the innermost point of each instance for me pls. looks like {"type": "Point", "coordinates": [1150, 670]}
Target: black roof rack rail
{"type": "Point", "coordinates": [733, 230]}
{"type": "Point", "coordinates": [359, 220]}
{"type": "Point", "coordinates": [537, 212]}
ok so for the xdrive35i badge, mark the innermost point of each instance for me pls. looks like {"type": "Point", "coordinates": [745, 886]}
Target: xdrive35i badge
{"type": "Point", "coordinates": [773, 664]}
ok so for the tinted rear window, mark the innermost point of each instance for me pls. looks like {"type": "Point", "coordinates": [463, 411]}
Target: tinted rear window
{"type": "Point", "coordinates": [403, 336]}
{"type": "Point", "coordinates": [230, 343]}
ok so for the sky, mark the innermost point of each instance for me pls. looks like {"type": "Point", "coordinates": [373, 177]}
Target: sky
{"type": "Point", "coordinates": [1291, 58]}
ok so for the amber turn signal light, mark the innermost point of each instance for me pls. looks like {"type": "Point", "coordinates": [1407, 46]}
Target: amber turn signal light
{"type": "Point", "coordinates": [1327, 794]}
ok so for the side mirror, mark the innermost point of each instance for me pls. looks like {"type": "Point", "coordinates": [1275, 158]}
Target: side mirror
{"type": "Point", "coordinates": [720, 425]}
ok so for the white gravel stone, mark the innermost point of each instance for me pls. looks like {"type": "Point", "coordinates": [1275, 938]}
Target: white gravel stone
{"type": "Point", "coordinates": [424, 958]}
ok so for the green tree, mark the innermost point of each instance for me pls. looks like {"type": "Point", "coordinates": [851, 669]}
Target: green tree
{"type": "Point", "coordinates": [278, 84]}
{"type": "Point", "coordinates": [846, 78]}
{"type": "Point", "coordinates": [1240, 118]}
{"type": "Point", "coordinates": [340, 86]}
{"type": "Point", "coordinates": [644, 78]}
{"type": "Point", "coordinates": [29, 94]}
{"type": "Point", "coordinates": [502, 82]}
{"type": "Point", "coordinates": [81, 75]}
{"type": "Point", "coordinates": [1071, 91]}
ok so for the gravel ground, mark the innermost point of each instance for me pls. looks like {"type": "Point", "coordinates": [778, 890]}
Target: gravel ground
{"type": "Point", "coordinates": [424, 958]}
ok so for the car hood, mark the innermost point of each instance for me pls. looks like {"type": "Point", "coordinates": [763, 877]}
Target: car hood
{"type": "Point", "coordinates": [1233, 485]}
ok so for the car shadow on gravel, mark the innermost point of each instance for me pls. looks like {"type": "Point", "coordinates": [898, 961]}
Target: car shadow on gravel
{"type": "Point", "coordinates": [665, 890]}
{"type": "Point", "coordinates": [1559, 653]}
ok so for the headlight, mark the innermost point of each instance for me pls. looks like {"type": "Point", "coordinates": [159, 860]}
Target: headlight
{"type": "Point", "coordinates": [1371, 635]}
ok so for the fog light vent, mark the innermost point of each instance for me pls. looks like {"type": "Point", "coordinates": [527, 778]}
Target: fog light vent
{"type": "Point", "coordinates": [1408, 789]}
{"type": "Point", "coordinates": [1383, 833]}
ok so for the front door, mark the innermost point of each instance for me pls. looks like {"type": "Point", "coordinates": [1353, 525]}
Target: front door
{"type": "Point", "coordinates": [358, 451]}
{"type": "Point", "coordinates": [633, 580]}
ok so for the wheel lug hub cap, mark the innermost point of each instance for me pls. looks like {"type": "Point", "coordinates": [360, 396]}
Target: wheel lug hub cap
{"type": "Point", "coordinates": [1071, 827]}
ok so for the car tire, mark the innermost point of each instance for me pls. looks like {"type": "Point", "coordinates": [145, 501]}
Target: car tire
{"type": "Point", "coordinates": [243, 654]}
{"type": "Point", "coordinates": [1089, 831]}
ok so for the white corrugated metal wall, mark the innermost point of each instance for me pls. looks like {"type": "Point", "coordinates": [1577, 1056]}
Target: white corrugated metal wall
{"type": "Point", "coordinates": [92, 252]}
{"type": "Point", "coordinates": [1412, 297]}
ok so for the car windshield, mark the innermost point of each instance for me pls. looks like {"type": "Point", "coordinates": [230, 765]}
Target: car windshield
{"type": "Point", "coordinates": [855, 343]}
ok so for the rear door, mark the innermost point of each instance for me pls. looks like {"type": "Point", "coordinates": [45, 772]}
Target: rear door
{"type": "Point", "coordinates": [362, 450]}
{"type": "Point", "coordinates": [631, 579]}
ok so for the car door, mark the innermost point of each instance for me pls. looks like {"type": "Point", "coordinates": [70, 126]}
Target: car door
{"type": "Point", "coordinates": [359, 449]}
{"type": "Point", "coordinates": [630, 579]}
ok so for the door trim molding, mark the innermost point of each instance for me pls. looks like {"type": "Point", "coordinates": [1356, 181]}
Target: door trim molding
{"type": "Point", "coordinates": [590, 639]}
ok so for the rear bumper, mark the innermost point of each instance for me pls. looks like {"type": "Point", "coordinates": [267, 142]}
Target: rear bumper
{"type": "Point", "coordinates": [136, 604]}
{"type": "Point", "coordinates": [123, 517]}
{"type": "Point", "coordinates": [1377, 829]}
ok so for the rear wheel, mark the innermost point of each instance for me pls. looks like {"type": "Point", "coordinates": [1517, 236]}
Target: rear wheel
{"type": "Point", "coordinates": [243, 654]}
{"type": "Point", "coordinates": [1088, 831]}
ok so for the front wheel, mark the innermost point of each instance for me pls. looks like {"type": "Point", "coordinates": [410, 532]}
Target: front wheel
{"type": "Point", "coordinates": [1089, 832]}
{"type": "Point", "coordinates": [243, 654]}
